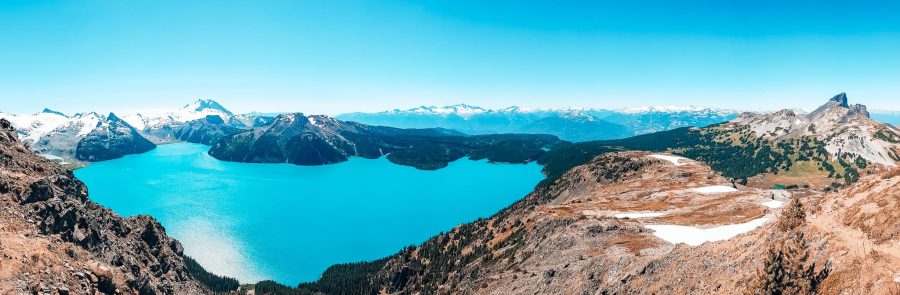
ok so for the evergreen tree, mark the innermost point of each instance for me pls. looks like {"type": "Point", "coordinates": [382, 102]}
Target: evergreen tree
{"type": "Point", "coordinates": [786, 269]}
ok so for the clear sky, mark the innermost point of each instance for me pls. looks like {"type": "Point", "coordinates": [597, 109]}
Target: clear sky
{"type": "Point", "coordinates": [339, 56]}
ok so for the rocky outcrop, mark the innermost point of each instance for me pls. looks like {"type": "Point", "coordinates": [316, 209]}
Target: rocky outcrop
{"type": "Point", "coordinates": [54, 239]}
{"type": "Point", "coordinates": [112, 139]}
{"type": "Point", "coordinates": [318, 140]}
{"type": "Point", "coordinates": [206, 131]}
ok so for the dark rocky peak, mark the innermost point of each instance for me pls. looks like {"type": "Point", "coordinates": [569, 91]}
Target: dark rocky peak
{"type": "Point", "coordinates": [49, 111]}
{"type": "Point", "coordinates": [840, 101]}
{"type": "Point", "coordinates": [112, 117]}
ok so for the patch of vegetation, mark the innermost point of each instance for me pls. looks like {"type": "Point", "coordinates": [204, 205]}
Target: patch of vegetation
{"type": "Point", "coordinates": [347, 278]}
{"type": "Point", "coordinates": [887, 135]}
{"type": "Point", "coordinates": [215, 283]}
{"type": "Point", "coordinates": [733, 151]}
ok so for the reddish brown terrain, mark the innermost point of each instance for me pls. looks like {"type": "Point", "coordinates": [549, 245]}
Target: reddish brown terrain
{"type": "Point", "coordinates": [566, 240]}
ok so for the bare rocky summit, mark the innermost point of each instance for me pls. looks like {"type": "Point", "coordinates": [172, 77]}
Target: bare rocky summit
{"type": "Point", "coordinates": [844, 128]}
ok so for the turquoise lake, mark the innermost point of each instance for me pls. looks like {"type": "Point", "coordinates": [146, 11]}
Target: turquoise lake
{"type": "Point", "coordinates": [288, 223]}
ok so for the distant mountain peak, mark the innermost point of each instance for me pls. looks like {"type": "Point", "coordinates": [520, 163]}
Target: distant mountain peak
{"type": "Point", "coordinates": [49, 111]}
{"type": "Point", "coordinates": [207, 104]}
{"type": "Point", "coordinates": [112, 117]}
{"type": "Point", "coordinates": [840, 101]}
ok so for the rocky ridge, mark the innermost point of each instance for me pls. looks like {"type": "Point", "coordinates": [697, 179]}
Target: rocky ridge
{"type": "Point", "coordinates": [54, 239]}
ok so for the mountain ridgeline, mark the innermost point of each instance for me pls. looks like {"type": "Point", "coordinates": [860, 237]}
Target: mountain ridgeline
{"type": "Point", "coordinates": [567, 124]}
{"type": "Point", "coordinates": [319, 140]}
{"type": "Point", "coordinates": [91, 137]}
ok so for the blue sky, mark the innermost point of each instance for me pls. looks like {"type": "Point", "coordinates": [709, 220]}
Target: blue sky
{"type": "Point", "coordinates": [340, 56]}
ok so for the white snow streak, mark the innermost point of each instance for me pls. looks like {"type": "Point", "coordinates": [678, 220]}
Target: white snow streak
{"type": "Point", "coordinates": [674, 159]}
{"type": "Point", "coordinates": [694, 236]}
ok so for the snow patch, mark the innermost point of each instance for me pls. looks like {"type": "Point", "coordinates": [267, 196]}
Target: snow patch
{"type": "Point", "coordinates": [639, 214]}
{"type": "Point", "coordinates": [773, 204]}
{"type": "Point", "coordinates": [714, 189]}
{"type": "Point", "coordinates": [50, 156]}
{"type": "Point", "coordinates": [694, 236]}
{"type": "Point", "coordinates": [675, 160]}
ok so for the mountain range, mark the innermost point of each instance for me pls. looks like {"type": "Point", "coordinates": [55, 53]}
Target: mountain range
{"type": "Point", "coordinates": [318, 140]}
{"type": "Point", "coordinates": [90, 137]}
{"type": "Point", "coordinates": [778, 203]}
{"type": "Point", "coordinates": [568, 124]}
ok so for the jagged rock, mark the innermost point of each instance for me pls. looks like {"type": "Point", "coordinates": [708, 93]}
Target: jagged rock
{"type": "Point", "coordinates": [41, 190]}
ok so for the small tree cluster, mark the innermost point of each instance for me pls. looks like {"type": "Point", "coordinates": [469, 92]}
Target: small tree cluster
{"type": "Point", "coordinates": [786, 269]}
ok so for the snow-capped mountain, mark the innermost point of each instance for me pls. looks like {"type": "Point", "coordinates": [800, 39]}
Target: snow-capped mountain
{"type": "Point", "coordinates": [160, 126]}
{"type": "Point", "coordinates": [112, 138]}
{"type": "Point", "coordinates": [56, 134]}
{"type": "Point", "coordinates": [643, 120]}
{"type": "Point", "coordinates": [461, 110]}
{"type": "Point", "coordinates": [569, 124]}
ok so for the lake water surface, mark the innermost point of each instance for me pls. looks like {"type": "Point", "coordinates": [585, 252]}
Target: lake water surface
{"type": "Point", "coordinates": [289, 223]}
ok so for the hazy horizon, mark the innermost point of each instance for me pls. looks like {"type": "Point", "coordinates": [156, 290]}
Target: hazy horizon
{"type": "Point", "coordinates": [323, 57]}
{"type": "Point", "coordinates": [149, 110]}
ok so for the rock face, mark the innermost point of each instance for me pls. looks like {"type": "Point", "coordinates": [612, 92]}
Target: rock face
{"type": "Point", "coordinates": [844, 128]}
{"type": "Point", "coordinates": [111, 139]}
{"type": "Point", "coordinates": [55, 240]}
{"type": "Point", "coordinates": [318, 140]}
{"type": "Point", "coordinates": [205, 131]}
